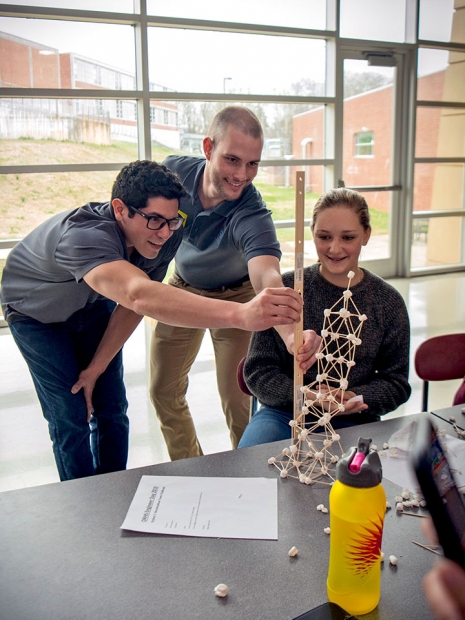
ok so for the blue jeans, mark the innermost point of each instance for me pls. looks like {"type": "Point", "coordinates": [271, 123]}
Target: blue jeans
{"type": "Point", "coordinates": [269, 424]}
{"type": "Point", "coordinates": [56, 353]}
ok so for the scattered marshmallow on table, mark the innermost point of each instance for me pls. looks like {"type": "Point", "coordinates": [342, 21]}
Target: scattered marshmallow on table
{"type": "Point", "coordinates": [221, 590]}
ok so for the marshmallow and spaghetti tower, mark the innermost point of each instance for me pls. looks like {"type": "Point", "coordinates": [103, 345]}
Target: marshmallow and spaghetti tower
{"type": "Point", "coordinates": [316, 448]}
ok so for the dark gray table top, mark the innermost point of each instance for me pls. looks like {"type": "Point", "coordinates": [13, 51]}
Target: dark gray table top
{"type": "Point", "coordinates": [455, 413]}
{"type": "Point", "coordinates": [63, 555]}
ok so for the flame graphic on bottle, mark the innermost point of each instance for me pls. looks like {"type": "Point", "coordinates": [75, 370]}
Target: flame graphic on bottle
{"type": "Point", "coordinates": [366, 548]}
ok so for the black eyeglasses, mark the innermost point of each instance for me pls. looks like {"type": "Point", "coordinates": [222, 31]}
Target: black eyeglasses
{"type": "Point", "coordinates": [156, 222]}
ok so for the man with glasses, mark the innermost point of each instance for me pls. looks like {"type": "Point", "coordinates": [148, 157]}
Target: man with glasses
{"type": "Point", "coordinates": [229, 252]}
{"type": "Point", "coordinates": [75, 288]}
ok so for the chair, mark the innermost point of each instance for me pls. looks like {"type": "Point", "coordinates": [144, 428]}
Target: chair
{"type": "Point", "coordinates": [243, 386]}
{"type": "Point", "coordinates": [440, 358]}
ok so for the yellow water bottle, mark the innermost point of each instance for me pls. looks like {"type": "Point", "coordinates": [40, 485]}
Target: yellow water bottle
{"type": "Point", "coordinates": [357, 503]}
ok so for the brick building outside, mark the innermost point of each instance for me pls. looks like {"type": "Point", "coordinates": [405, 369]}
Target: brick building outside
{"type": "Point", "coordinates": [367, 141]}
{"type": "Point", "coordinates": [27, 64]}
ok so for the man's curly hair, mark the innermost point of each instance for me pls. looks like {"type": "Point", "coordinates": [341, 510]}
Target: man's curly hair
{"type": "Point", "coordinates": [143, 179]}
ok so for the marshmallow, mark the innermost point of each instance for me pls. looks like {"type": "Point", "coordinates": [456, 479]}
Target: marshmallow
{"type": "Point", "coordinates": [221, 590]}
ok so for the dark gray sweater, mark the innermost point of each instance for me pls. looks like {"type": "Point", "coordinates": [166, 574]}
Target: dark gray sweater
{"type": "Point", "coordinates": [382, 359]}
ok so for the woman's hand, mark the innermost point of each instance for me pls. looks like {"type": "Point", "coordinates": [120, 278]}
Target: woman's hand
{"type": "Point", "coordinates": [349, 407]}
{"type": "Point", "coordinates": [307, 351]}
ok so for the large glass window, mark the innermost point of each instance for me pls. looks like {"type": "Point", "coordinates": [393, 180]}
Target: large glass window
{"type": "Point", "coordinates": [373, 19]}
{"type": "Point", "coordinates": [368, 112]}
{"type": "Point", "coordinates": [39, 53]}
{"type": "Point", "coordinates": [439, 179]}
{"type": "Point", "coordinates": [52, 131]}
{"type": "Point", "coordinates": [438, 242]}
{"type": "Point", "coordinates": [441, 75]}
{"type": "Point", "coordinates": [437, 24]}
{"type": "Point", "coordinates": [235, 63]}
{"type": "Point", "coordinates": [203, 56]}
{"type": "Point", "coordinates": [439, 186]}
{"type": "Point", "coordinates": [440, 132]}
{"type": "Point", "coordinates": [296, 13]}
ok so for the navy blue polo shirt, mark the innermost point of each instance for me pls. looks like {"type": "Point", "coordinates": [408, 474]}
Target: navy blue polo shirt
{"type": "Point", "coordinates": [218, 242]}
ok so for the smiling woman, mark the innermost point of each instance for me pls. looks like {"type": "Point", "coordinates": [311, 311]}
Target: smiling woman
{"type": "Point", "coordinates": [341, 226]}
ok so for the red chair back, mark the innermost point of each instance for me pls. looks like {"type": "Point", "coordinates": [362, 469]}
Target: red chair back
{"type": "Point", "coordinates": [459, 397]}
{"type": "Point", "coordinates": [441, 358]}
{"type": "Point", "coordinates": [240, 378]}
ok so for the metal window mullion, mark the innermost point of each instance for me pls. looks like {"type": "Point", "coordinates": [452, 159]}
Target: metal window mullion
{"type": "Point", "coordinates": [38, 168]}
{"type": "Point", "coordinates": [421, 215]}
{"type": "Point", "coordinates": [172, 95]}
{"type": "Point", "coordinates": [403, 259]}
{"type": "Point", "coordinates": [67, 93]}
{"type": "Point", "coordinates": [289, 223]}
{"type": "Point", "coordinates": [329, 110]}
{"type": "Point", "coordinates": [441, 45]}
{"type": "Point", "coordinates": [338, 137]}
{"type": "Point", "coordinates": [411, 21]}
{"type": "Point", "coordinates": [440, 104]}
{"type": "Point", "coordinates": [375, 188]}
{"type": "Point", "coordinates": [84, 93]}
{"type": "Point", "coordinates": [400, 123]}
{"type": "Point", "coordinates": [297, 162]}
{"type": "Point", "coordinates": [144, 137]}
{"type": "Point", "coordinates": [239, 27]}
{"type": "Point", "coordinates": [77, 15]}
{"type": "Point", "coordinates": [439, 160]}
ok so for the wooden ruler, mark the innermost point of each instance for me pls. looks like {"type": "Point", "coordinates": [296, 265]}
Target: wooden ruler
{"type": "Point", "coordinates": [299, 287]}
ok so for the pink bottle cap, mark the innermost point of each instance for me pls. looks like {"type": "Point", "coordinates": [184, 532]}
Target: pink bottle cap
{"type": "Point", "coordinates": [357, 461]}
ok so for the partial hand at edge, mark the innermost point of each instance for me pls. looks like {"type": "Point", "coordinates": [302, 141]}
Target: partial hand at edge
{"type": "Point", "coordinates": [273, 306]}
{"type": "Point", "coordinates": [444, 587]}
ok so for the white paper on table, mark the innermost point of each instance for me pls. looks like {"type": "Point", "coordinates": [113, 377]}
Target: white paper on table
{"type": "Point", "coordinates": [455, 452]}
{"type": "Point", "coordinates": [399, 469]}
{"type": "Point", "coordinates": [208, 507]}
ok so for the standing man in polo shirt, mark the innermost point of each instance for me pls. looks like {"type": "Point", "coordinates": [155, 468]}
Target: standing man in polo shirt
{"type": "Point", "coordinates": [230, 252]}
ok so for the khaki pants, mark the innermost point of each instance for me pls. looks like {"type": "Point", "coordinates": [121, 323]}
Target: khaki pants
{"type": "Point", "coordinates": [173, 351]}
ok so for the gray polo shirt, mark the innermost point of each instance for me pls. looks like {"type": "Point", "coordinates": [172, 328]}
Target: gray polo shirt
{"type": "Point", "coordinates": [43, 275]}
{"type": "Point", "coordinates": [218, 243]}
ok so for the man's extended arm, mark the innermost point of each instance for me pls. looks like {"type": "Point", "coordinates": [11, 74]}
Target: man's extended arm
{"type": "Point", "coordinates": [133, 289]}
{"type": "Point", "coordinates": [264, 271]}
{"type": "Point", "coordinates": [137, 296]}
